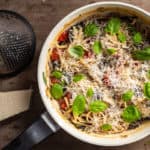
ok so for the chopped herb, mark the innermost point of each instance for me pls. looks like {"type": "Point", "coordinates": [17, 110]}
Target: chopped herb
{"type": "Point", "coordinates": [106, 127]}
{"type": "Point", "coordinates": [57, 74]}
{"type": "Point", "coordinates": [90, 29]}
{"type": "Point", "coordinates": [57, 91]}
{"type": "Point", "coordinates": [78, 77]}
{"type": "Point", "coordinates": [76, 51]}
{"type": "Point", "coordinates": [148, 74]}
{"type": "Point", "coordinates": [98, 106]}
{"type": "Point", "coordinates": [127, 96]}
{"type": "Point", "coordinates": [142, 54]}
{"type": "Point", "coordinates": [131, 114]}
{"type": "Point", "coordinates": [111, 51]}
{"type": "Point", "coordinates": [147, 89]}
{"type": "Point", "coordinates": [78, 106]}
{"type": "Point", "coordinates": [90, 92]}
{"type": "Point", "coordinates": [113, 26]}
{"type": "Point", "coordinates": [121, 37]}
{"type": "Point", "coordinates": [137, 38]}
{"type": "Point", "coordinates": [97, 47]}
{"type": "Point", "coordinates": [44, 78]}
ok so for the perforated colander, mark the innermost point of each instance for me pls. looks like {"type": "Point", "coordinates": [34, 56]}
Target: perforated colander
{"type": "Point", "coordinates": [17, 43]}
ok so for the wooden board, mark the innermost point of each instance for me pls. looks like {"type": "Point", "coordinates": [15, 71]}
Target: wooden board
{"type": "Point", "coordinates": [43, 15]}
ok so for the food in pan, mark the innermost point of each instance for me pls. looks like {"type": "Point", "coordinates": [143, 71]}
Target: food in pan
{"type": "Point", "coordinates": [98, 71]}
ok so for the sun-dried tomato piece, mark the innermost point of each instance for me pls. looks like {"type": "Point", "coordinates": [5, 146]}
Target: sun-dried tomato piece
{"type": "Point", "coordinates": [62, 104]}
{"type": "Point", "coordinates": [54, 80]}
{"type": "Point", "coordinates": [54, 55]}
{"type": "Point", "coordinates": [68, 95]}
{"type": "Point", "coordinates": [63, 37]}
{"type": "Point", "coordinates": [88, 54]}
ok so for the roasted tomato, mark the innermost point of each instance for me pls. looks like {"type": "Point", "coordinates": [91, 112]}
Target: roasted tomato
{"type": "Point", "coordinates": [54, 55]}
{"type": "Point", "coordinates": [63, 37]}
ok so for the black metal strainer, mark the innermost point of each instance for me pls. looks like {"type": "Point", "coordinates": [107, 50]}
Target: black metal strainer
{"type": "Point", "coordinates": [17, 42]}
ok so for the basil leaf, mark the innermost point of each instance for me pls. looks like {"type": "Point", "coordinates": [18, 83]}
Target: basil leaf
{"type": "Point", "coordinates": [121, 37]}
{"type": "Point", "coordinates": [44, 78]}
{"type": "Point", "coordinates": [78, 77]}
{"type": "Point", "coordinates": [113, 26]}
{"type": "Point", "coordinates": [137, 38]}
{"type": "Point", "coordinates": [97, 106]}
{"type": "Point", "coordinates": [78, 106]}
{"type": "Point", "coordinates": [142, 54]}
{"type": "Point", "coordinates": [97, 47]}
{"type": "Point", "coordinates": [147, 89]}
{"type": "Point", "coordinates": [76, 51]}
{"type": "Point", "coordinates": [90, 92]}
{"type": "Point", "coordinates": [111, 51]}
{"type": "Point", "coordinates": [57, 91]}
{"type": "Point", "coordinates": [90, 29]}
{"type": "Point", "coordinates": [131, 114]}
{"type": "Point", "coordinates": [106, 127]}
{"type": "Point", "coordinates": [57, 74]}
{"type": "Point", "coordinates": [127, 96]}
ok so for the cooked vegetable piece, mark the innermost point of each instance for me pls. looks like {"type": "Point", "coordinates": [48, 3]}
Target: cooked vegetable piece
{"type": "Point", "coordinates": [131, 114]}
{"type": "Point", "coordinates": [90, 92]}
{"type": "Point", "coordinates": [111, 51]}
{"type": "Point", "coordinates": [44, 78]}
{"type": "Point", "coordinates": [147, 89]}
{"type": "Point", "coordinates": [78, 77]}
{"type": "Point", "coordinates": [97, 47]}
{"type": "Point", "coordinates": [127, 96]}
{"type": "Point", "coordinates": [57, 91]}
{"type": "Point", "coordinates": [90, 29]}
{"type": "Point", "coordinates": [137, 38]}
{"type": "Point", "coordinates": [142, 54]}
{"type": "Point", "coordinates": [98, 106]}
{"type": "Point", "coordinates": [57, 74]}
{"type": "Point", "coordinates": [54, 55]}
{"type": "Point", "coordinates": [113, 26]}
{"type": "Point", "coordinates": [121, 37]}
{"type": "Point", "coordinates": [76, 51]}
{"type": "Point", "coordinates": [78, 106]}
{"type": "Point", "coordinates": [106, 127]}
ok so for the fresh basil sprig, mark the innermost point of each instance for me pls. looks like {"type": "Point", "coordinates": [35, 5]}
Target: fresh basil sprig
{"type": "Point", "coordinates": [98, 106]}
{"type": "Point", "coordinates": [131, 114]}
{"type": "Point", "coordinates": [76, 51]}
{"type": "Point", "coordinates": [97, 47]}
{"type": "Point", "coordinates": [57, 91]}
{"type": "Point", "coordinates": [78, 77]}
{"type": "Point", "coordinates": [113, 26]}
{"type": "Point", "coordinates": [142, 54]}
{"type": "Point", "coordinates": [127, 96]}
{"type": "Point", "coordinates": [137, 38]}
{"type": "Point", "coordinates": [90, 29]}
{"type": "Point", "coordinates": [78, 106]}
{"type": "Point", "coordinates": [121, 37]}
{"type": "Point", "coordinates": [57, 74]}
{"type": "Point", "coordinates": [90, 92]}
{"type": "Point", "coordinates": [147, 89]}
{"type": "Point", "coordinates": [106, 127]}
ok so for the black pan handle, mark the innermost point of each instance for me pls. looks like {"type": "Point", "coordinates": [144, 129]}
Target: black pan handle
{"type": "Point", "coordinates": [37, 132]}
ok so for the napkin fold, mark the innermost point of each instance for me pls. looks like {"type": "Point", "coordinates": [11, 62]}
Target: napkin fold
{"type": "Point", "coordinates": [14, 102]}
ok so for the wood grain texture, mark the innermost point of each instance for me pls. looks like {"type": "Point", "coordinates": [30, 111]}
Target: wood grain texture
{"type": "Point", "coordinates": [43, 15]}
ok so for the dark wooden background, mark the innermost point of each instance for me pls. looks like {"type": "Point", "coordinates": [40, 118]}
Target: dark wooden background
{"type": "Point", "coordinates": [43, 15]}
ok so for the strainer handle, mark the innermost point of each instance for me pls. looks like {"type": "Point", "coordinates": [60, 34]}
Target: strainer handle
{"type": "Point", "coordinates": [33, 135]}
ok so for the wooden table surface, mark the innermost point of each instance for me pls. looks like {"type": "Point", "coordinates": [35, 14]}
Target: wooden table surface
{"type": "Point", "coordinates": [43, 15]}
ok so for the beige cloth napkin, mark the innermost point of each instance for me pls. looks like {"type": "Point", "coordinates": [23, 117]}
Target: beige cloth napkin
{"type": "Point", "coordinates": [14, 102]}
